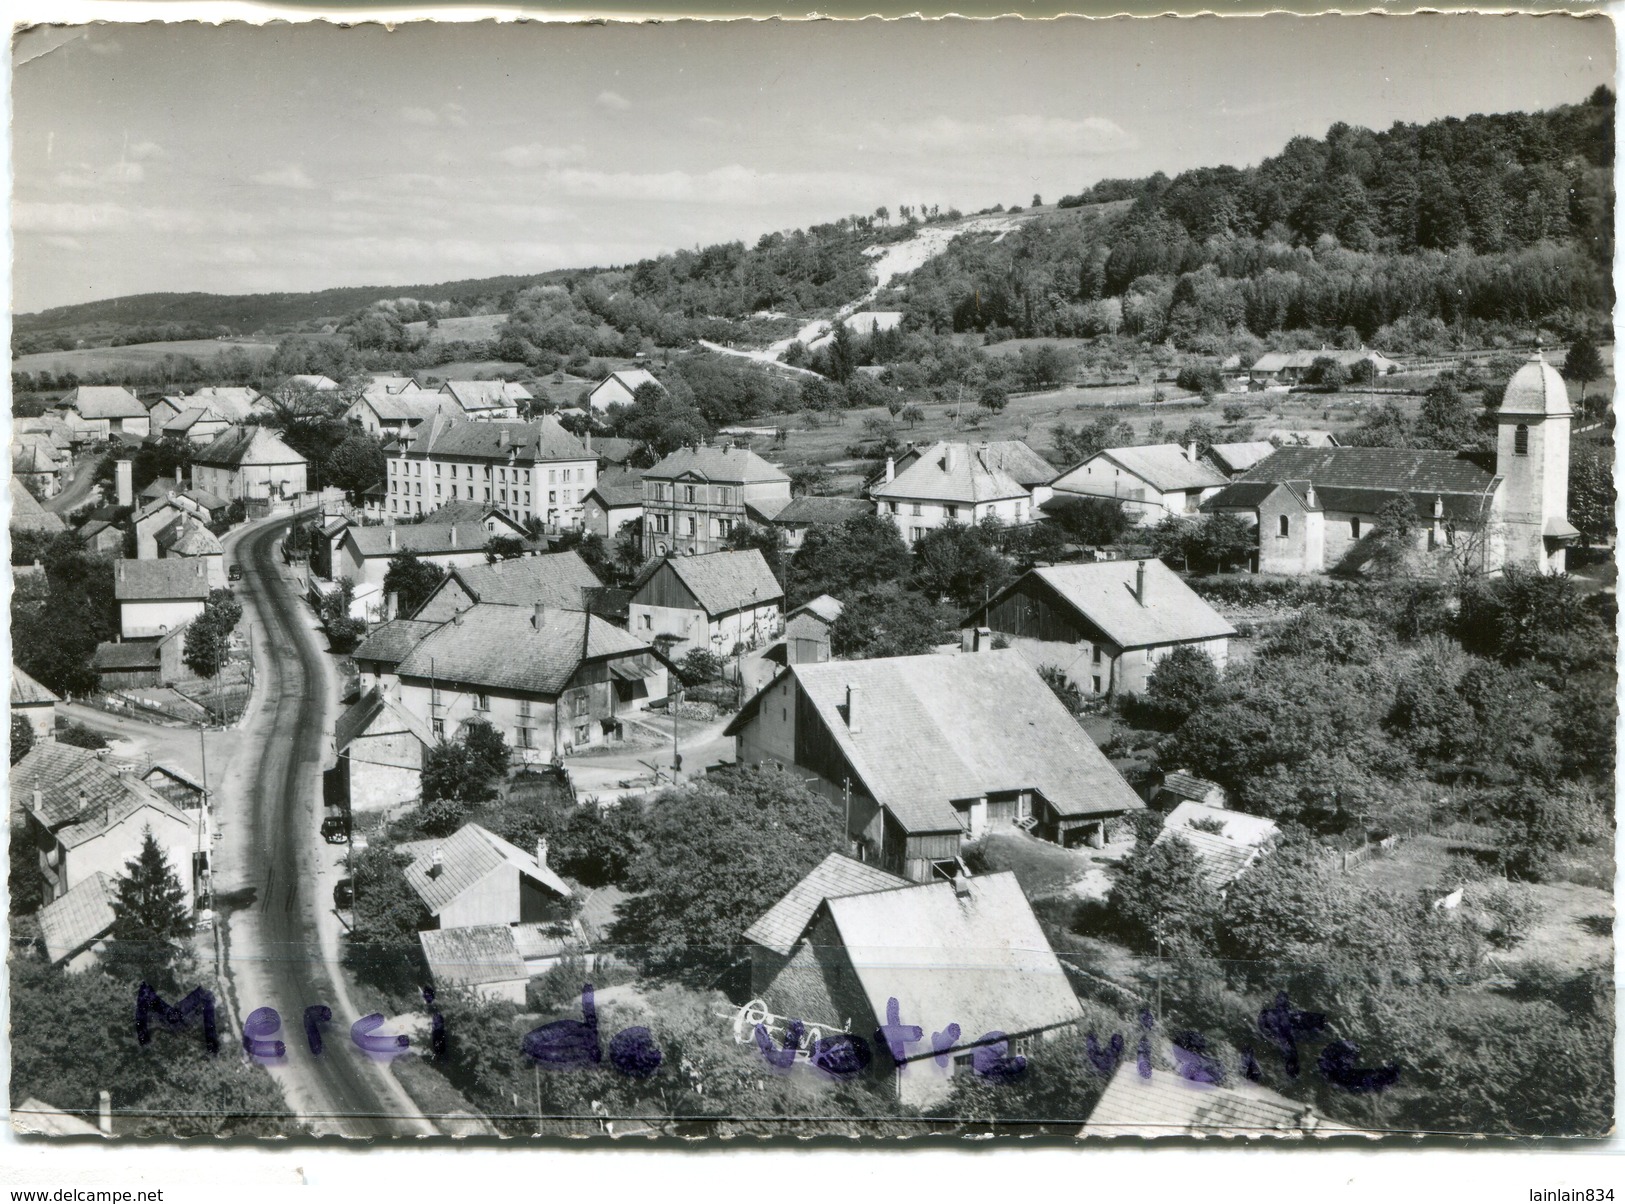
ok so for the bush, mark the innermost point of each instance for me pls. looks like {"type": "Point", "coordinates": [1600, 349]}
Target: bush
{"type": "Point", "coordinates": [344, 633]}
{"type": "Point", "coordinates": [80, 736]}
{"type": "Point", "coordinates": [1512, 910]}
{"type": "Point", "coordinates": [1063, 687]}
{"type": "Point", "coordinates": [1182, 681]}
{"type": "Point", "coordinates": [700, 665]}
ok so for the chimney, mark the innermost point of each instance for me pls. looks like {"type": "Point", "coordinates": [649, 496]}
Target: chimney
{"type": "Point", "coordinates": [854, 709]}
{"type": "Point", "coordinates": [177, 474]}
{"type": "Point", "coordinates": [104, 1112]}
{"type": "Point", "coordinates": [437, 863]}
{"type": "Point", "coordinates": [538, 618]}
{"type": "Point", "coordinates": [502, 439]}
{"type": "Point", "coordinates": [1438, 506]}
{"type": "Point", "coordinates": [392, 605]}
{"type": "Point", "coordinates": [1190, 452]}
{"type": "Point", "coordinates": [1309, 494]}
{"type": "Point", "coordinates": [457, 618]}
{"type": "Point", "coordinates": [950, 458]}
{"type": "Point", "coordinates": [124, 481]}
{"type": "Point", "coordinates": [454, 535]}
{"type": "Point", "coordinates": [589, 437]}
{"type": "Point", "coordinates": [1139, 582]}
{"type": "Point", "coordinates": [541, 851]}
{"type": "Point", "coordinates": [891, 470]}
{"type": "Point", "coordinates": [392, 539]}
{"type": "Point", "coordinates": [39, 799]}
{"type": "Point", "coordinates": [962, 884]}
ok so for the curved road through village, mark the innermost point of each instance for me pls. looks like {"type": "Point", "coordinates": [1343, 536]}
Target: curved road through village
{"type": "Point", "coordinates": [270, 906]}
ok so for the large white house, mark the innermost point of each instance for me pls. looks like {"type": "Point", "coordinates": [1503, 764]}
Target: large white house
{"type": "Point", "coordinates": [1151, 482]}
{"type": "Point", "coordinates": [249, 463]}
{"type": "Point", "coordinates": [962, 483]}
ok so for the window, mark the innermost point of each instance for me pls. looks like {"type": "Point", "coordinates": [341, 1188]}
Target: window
{"type": "Point", "coordinates": [482, 702]}
{"type": "Point", "coordinates": [648, 622]}
{"type": "Point", "coordinates": [916, 533]}
{"type": "Point", "coordinates": [1354, 528]}
{"type": "Point", "coordinates": [524, 708]}
{"type": "Point", "coordinates": [725, 495]}
{"type": "Point", "coordinates": [523, 737]}
{"type": "Point", "coordinates": [725, 527]}
{"type": "Point", "coordinates": [663, 523]}
{"type": "Point", "coordinates": [552, 497]}
{"type": "Point", "coordinates": [1096, 681]}
{"type": "Point", "coordinates": [553, 477]}
{"type": "Point", "coordinates": [437, 489]}
{"type": "Point", "coordinates": [953, 511]}
{"type": "Point", "coordinates": [1520, 440]}
{"type": "Point", "coordinates": [1285, 527]}
{"type": "Point", "coordinates": [915, 510]}
{"type": "Point", "coordinates": [688, 494]}
{"type": "Point", "coordinates": [439, 729]}
{"type": "Point", "coordinates": [392, 505]}
{"type": "Point", "coordinates": [893, 506]}
{"type": "Point", "coordinates": [1097, 654]}
{"type": "Point", "coordinates": [691, 526]}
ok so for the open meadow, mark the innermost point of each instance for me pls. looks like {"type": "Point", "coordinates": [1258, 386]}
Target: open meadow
{"type": "Point", "coordinates": [135, 355]}
{"type": "Point", "coordinates": [477, 328]}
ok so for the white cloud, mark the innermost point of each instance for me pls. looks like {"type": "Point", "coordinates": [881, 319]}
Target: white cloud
{"type": "Point", "coordinates": [450, 114]}
{"type": "Point", "coordinates": [731, 185]}
{"type": "Point", "coordinates": [84, 176]}
{"type": "Point", "coordinates": [147, 150]}
{"type": "Point", "coordinates": [537, 154]}
{"type": "Point", "coordinates": [288, 176]}
{"type": "Point", "coordinates": [416, 116]}
{"type": "Point", "coordinates": [1019, 133]}
{"type": "Point", "coordinates": [614, 101]}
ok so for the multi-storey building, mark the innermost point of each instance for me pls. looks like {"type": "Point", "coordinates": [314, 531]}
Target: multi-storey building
{"type": "Point", "coordinates": [695, 497]}
{"type": "Point", "coordinates": [525, 469]}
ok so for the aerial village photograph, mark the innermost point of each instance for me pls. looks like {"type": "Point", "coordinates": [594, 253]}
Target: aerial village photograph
{"type": "Point", "coordinates": [860, 580]}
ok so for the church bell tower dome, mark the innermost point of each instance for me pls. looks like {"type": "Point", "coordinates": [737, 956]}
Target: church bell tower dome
{"type": "Point", "coordinates": [1537, 388]}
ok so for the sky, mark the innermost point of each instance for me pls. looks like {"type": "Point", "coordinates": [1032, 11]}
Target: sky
{"type": "Point", "coordinates": [238, 159]}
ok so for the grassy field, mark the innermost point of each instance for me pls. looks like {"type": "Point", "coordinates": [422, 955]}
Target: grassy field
{"type": "Point", "coordinates": [478, 328]}
{"type": "Point", "coordinates": [136, 355]}
{"type": "Point", "coordinates": [469, 369]}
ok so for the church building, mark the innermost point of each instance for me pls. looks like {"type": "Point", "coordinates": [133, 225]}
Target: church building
{"type": "Point", "coordinates": [1313, 506]}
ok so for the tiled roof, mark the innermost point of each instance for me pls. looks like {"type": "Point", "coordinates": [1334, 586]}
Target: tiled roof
{"type": "Point", "coordinates": [191, 416]}
{"type": "Point", "coordinates": [104, 401]}
{"type": "Point", "coordinates": [526, 442]}
{"type": "Point", "coordinates": [391, 384]}
{"type": "Point", "coordinates": [233, 404]}
{"type": "Point", "coordinates": [1164, 466]}
{"type": "Point", "coordinates": [631, 379]}
{"type": "Point", "coordinates": [470, 514]}
{"type": "Point", "coordinates": [616, 451]}
{"type": "Point", "coordinates": [188, 537]}
{"type": "Point", "coordinates": [978, 960]}
{"type": "Point", "coordinates": [1223, 854]}
{"type": "Point", "coordinates": [728, 466]}
{"type": "Point", "coordinates": [1102, 592]}
{"type": "Point", "coordinates": [807, 511]}
{"type": "Point", "coordinates": [1536, 389]}
{"type": "Point", "coordinates": [28, 515]}
{"type": "Point", "coordinates": [181, 579]}
{"type": "Point", "coordinates": [470, 957]}
{"type": "Point", "coordinates": [1018, 462]}
{"type": "Point", "coordinates": [32, 455]}
{"type": "Point", "coordinates": [415, 406]}
{"type": "Point", "coordinates": [174, 773]}
{"type": "Point", "coordinates": [421, 539]}
{"type": "Point", "coordinates": [1170, 1105]}
{"type": "Point", "coordinates": [467, 856]}
{"type": "Point", "coordinates": [934, 729]}
{"type": "Point", "coordinates": [557, 579]}
{"type": "Point", "coordinates": [1275, 361]}
{"type": "Point", "coordinates": [500, 648]}
{"type": "Point", "coordinates": [313, 381]}
{"type": "Point", "coordinates": [1364, 479]}
{"type": "Point", "coordinates": [246, 445]}
{"type": "Point", "coordinates": [825, 607]}
{"type": "Point", "coordinates": [1239, 457]}
{"type": "Point", "coordinates": [205, 499]}
{"type": "Point", "coordinates": [130, 654]}
{"type": "Point", "coordinates": [1291, 438]}
{"type": "Point", "coordinates": [1188, 786]}
{"type": "Point", "coordinates": [25, 691]}
{"type": "Point", "coordinates": [79, 917]}
{"type": "Point", "coordinates": [80, 796]}
{"type": "Point", "coordinates": [620, 487]}
{"type": "Point", "coordinates": [727, 581]}
{"type": "Point", "coordinates": [952, 472]}
{"type": "Point", "coordinates": [376, 714]}
{"type": "Point", "coordinates": [781, 926]}
{"type": "Point", "coordinates": [393, 642]}
{"type": "Point", "coordinates": [486, 394]}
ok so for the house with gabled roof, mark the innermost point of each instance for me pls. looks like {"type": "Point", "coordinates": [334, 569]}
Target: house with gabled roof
{"type": "Point", "coordinates": [381, 747]}
{"type": "Point", "coordinates": [187, 538]}
{"type": "Point", "coordinates": [196, 424]}
{"type": "Point", "coordinates": [249, 463]}
{"type": "Point", "coordinates": [557, 580]}
{"type": "Point", "coordinates": [34, 703]}
{"type": "Point", "coordinates": [619, 388]}
{"type": "Point", "coordinates": [1151, 482]}
{"type": "Point", "coordinates": [1290, 367]}
{"type": "Point", "coordinates": [1226, 842]}
{"type": "Point", "coordinates": [73, 927]}
{"type": "Point", "coordinates": [923, 754]}
{"type": "Point", "coordinates": [487, 400]}
{"type": "Point", "coordinates": [528, 470]}
{"type": "Point", "coordinates": [313, 381]}
{"type": "Point", "coordinates": [159, 596]}
{"type": "Point", "coordinates": [37, 465]}
{"type": "Point", "coordinates": [804, 513]}
{"type": "Point", "coordinates": [807, 630]}
{"type": "Point", "coordinates": [382, 413]}
{"type": "Point", "coordinates": [128, 664]}
{"type": "Point", "coordinates": [1233, 459]}
{"type": "Point", "coordinates": [1105, 624]}
{"type": "Point", "coordinates": [84, 815]}
{"type": "Point", "coordinates": [386, 646]}
{"type": "Point", "coordinates": [959, 483]}
{"type": "Point", "coordinates": [28, 515]}
{"type": "Point", "coordinates": [552, 681]}
{"type": "Point", "coordinates": [107, 410]}
{"type": "Point", "coordinates": [716, 601]}
{"type": "Point", "coordinates": [235, 404]}
{"type": "Point", "coordinates": [1164, 1103]}
{"type": "Point", "coordinates": [964, 959]}
{"type": "Point", "coordinates": [474, 877]}
{"type": "Point", "coordinates": [615, 500]}
{"type": "Point", "coordinates": [695, 497]}
{"type": "Point", "coordinates": [363, 553]}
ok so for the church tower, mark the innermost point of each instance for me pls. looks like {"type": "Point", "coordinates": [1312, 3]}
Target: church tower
{"type": "Point", "coordinates": [1532, 460]}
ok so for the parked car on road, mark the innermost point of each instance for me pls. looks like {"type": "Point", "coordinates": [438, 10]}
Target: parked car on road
{"type": "Point", "coordinates": [234, 573]}
{"type": "Point", "coordinates": [344, 894]}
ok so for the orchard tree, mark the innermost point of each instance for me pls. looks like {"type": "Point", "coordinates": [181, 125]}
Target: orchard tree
{"type": "Point", "coordinates": [412, 580]}
{"type": "Point", "coordinates": [862, 553]}
{"type": "Point", "coordinates": [890, 622]}
{"type": "Point", "coordinates": [993, 398]}
{"type": "Point", "coordinates": [1182, 682]}
{"type": "Point", "coordinates": [1591, 495]}
{"type": "Point", "coordinates": [22, 738]}
{"type": "Point", "coordinates": [208, 638]}
{"type": "Point", "coordinates": [1583, 365]}
{"type": "Point", "coordinates": [1162, 901]}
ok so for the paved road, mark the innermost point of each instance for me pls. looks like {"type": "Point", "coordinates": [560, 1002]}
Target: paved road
{"type": "Point", "coordinates": [275, 955]}
{"type": "Point", "coordinates": [81, 478]}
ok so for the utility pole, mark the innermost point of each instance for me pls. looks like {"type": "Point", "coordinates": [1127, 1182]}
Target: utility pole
{"type": "Point", "coordinates": [676, 757]}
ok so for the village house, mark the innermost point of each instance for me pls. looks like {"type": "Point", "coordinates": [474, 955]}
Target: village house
{"type": "Point", "coordinates": [487, 400]}
{"type": "Point", "coordinates": [615, 500]}
{"type": "Point", "coordinates": [802, 514]}
{"type": "Point", "coordinates": [850, 949]}
{"type": "Point", "coordinates": [161, 513]}
{"type": "Point", "coordinates": [314, 382]}
{"type": "Point", "coordinates": [161, 411]}
{"type": "Point", "coordinates": [715, 602]}
{"type": "Point", "coordinates": [1151, 482]}
{"type": "Point", "coordinates": [37, 465]}
{"type": "Point", "coordinates": [235, 405]}
{"type": "Point", "coordinates": [1233, 459]}
{"type": "Point", "coordinates": [101, 536]}
{"type": "Point", "coordinates": [176, 785]}
{"type": "Point", "coordinates": [481, 961]}
{"type": "Point", "coordinates": [1104, 624]}
{"type": "Point", "coordinates": [923, 754]}
{"type": "Point", "coordinates": [104, 411]}
{"type": "Point", "coordinates": [28, 516]}
{"type": "Point", "coordinates": [1164, 1103]}
{"type": "Point", "coordinates": [552, 681]}
{"type": "Point", "coordinates": [384, 383]}
{"type": "Point", "coordinates": [474, 877]}
{"type": "Point", "coordinates": [33, 702]}
{"type": "Point", "coordinates": [612, 452]}
{"type": "Point", "coordinates": [196, 425]}
{"type": "Point", "coordinates": [528, 470]}
{"type": "Point", "coordinates": [1226, 842]}
{"type": "Point", "coordinates": [386, 646]}
{"type": "Point", "coordinates": [618, 388]}
{"type": "Point", "coordinates": [364, 553]}
{"type": "Point", "coordinates": [381, 749]}
{"type": "Point", "coordinates": [1167, 790]}
{"type": "Point", "coordinates": [84, 816]}
{"type": "Point", "coordinates": [158, 596]}
{"type": "Point", "coordinates": [74, 928]}
{"type": "Point", "coordinates": [560, 580]}
{"type": "Point", "coordinates": [129, 664]}
{"type": "Point", "coordinates": [955, 483]}
{"type": "Point", "coordinates": [695, 497]}
{"type": "Point", "coordinates": [1313, 506]}
{"type": "Point", "coordinates": [1282, 437]}
{"type": "Point", "coordinates": [381, 413]}
{"type": "Point", "coordinates": [186, 538]}
{"type": "Point", "coordinates": [1290, 367]}
{"type": "Point", "coordinates": [806, 630]}
{"type": "Point", "coordinates": [249, 463]}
